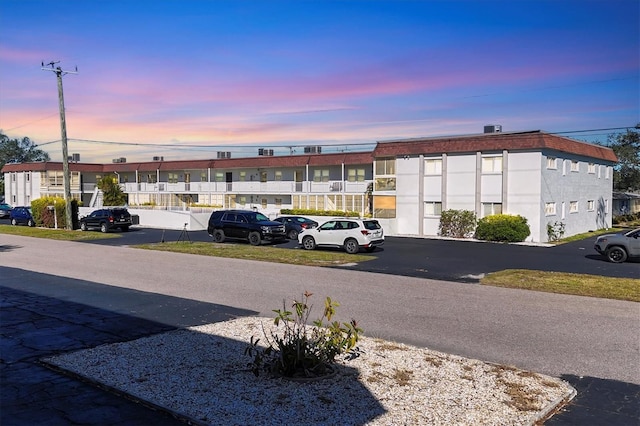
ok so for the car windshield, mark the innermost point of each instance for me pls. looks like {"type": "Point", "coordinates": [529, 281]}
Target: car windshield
{"type": "Point", "coordinates": [257, 217]}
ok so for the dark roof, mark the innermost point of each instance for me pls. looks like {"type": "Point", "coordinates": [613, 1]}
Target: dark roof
{"type": "Point", "coordinates": [487, 142]}
{"type": "Point", "coordinates": [350, 158]}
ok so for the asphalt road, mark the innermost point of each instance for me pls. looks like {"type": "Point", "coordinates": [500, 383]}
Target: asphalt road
{"type": "Point", "coordinates": [460, 261]}
{"type": "Point", "coordinates": [553, 334]}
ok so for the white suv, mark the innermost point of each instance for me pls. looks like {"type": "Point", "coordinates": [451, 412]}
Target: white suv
{"type": "Point", "coordinates": [351, 234]}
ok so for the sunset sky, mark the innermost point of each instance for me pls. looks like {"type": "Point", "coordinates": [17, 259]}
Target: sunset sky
{"type": "Point", "coordinates": [184, 79]}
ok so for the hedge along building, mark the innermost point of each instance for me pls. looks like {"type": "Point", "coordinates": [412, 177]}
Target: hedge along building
{"type": "Point", "coordinates": [546, 178]}
{"type": "Point", "coordinates": [543, 177]}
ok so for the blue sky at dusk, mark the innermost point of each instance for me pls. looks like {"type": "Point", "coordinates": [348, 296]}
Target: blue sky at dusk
{"type": "Point", "coordinates": [184, 79]}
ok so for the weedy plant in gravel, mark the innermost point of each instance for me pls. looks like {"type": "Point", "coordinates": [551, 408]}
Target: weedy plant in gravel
{"type": "Point", "coordinates": [296, 349]}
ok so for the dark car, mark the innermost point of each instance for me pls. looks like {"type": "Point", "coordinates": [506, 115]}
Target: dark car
{"type": "Point", "coordinates": [293, 225]}
{"type": "Point", "coordinates": [21, 215]}
{"type": "Point", "coordinates": [5, 211]}
{"type": "Point", "coordinates": [107, 219]}
{"type": "Point", "coordinates": [245, 225]}
{"type": "Point", "coordinates": [619, 247]}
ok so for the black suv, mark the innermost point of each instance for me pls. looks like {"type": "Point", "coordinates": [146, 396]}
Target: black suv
{"type": "Point", "coordinates": [244, 225]}
{"type": "Point", "coordinates": [107, 219]}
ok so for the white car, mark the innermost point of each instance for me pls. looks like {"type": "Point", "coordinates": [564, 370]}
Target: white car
{"type": "Point", "coordinates": [350, 234]}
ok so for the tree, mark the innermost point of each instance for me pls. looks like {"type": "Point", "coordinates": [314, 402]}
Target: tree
{"type": "Point", "coordinates": [112, 194]}
{"type": "Point", "coordinates": [18, 151]}
{"type": "Point", "coordinates": [626, 174]}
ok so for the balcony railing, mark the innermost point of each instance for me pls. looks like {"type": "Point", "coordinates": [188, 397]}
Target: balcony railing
{"type": "Point", "coordinates": [250, 187]}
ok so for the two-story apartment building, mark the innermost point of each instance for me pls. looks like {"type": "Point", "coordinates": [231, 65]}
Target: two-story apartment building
{"type": "Point", "coordinates": [404, 183]}
{"type": "Point", "coordinates": [543, 177]}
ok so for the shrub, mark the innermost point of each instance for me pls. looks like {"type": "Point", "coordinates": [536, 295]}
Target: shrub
{"type": "Point", "coordinates": [503, 227]}
{"type": "Point", "coordinates": [311, 212]}
{"type": "Point", "coordinates": [45, 217]}
{"type": "Point", "coordinates": [555, 231]}
{"type": "Point", "coordinates": [300, 350]}
{"type": "Point", "coordinates": [457, 223]}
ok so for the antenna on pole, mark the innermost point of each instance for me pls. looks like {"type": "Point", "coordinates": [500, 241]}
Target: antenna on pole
{"type": "Point", "coordinates": [63, 130]}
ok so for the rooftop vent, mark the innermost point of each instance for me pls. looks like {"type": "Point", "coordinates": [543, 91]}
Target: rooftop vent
{"type": "Point", "coordinates": [224, 154]}
{"type": "Point", "coordinates": [312, 149]}
{"type": "Point", "coordinates": [119, 160]}
{"type": "Point", "coordinates": [158, 158]}
{"type": "Point", "coordinates": [493, 128]}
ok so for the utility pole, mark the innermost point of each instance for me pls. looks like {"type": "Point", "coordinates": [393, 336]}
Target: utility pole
{"type": "Point", "coordinates": [63, 130]}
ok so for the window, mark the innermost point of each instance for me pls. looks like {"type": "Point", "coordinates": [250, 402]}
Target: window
{"type": "Point", "coordinates": [386, 166]}
{"type": "Point", "coordinates": [591, 205]}
{"type": "Point", "coordinates": [384, 206]}
{"type": "Point", "coordinates": [355, 175]}
{"type": "Point", "coordinates": [432, 208]}
{"type": "Point", "coordinates": [278, 202]}
{"type": "Point", "coordinates": [606, 172]}
{"type": "Point", "coordinates": [263, 176]}
{"type": "Point", "coordinates": [573, 207]}
{"type": "Point", "coordinates": [433, 166]}
{"type": "Point", "coordinates": [489, 209]}
{"type": "Point", "coordinates": [550, 209]}
{"type": "Point", "coordinates": [27, 176]}
{"type": "Point", "coordinates": [385, 184]}
{"type": "Point", "coordinates": [321, 175]}
{"type": "Point", "coordinates": [591, 168]}
{"type": "Point", "coordinates": [491, 164]}
{"type": "Point", "coordinates": [552, 163]}
{"type": "Point", "coordinates": [243, 176]}
{"type": "Point", "coordinates": [277, 175]}
{"type": "Point", "coordinates": [263, 203]}
{"type": "Point", "coordinates": [203, 177]}
{"type": "Point", "coordinates": [575, 166]}
{"type": "Point", "coordinates": [219, 177]}
{"type": "Point", "coordinates": [13, 177]}
{"type": "Point", "coordinates": [242, 200]}
{"type": "Point", "coordinates": [173, 178]}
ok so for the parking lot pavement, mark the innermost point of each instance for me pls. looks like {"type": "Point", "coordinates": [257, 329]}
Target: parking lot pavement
{"type": "Point", "coordinates": [34, 325]}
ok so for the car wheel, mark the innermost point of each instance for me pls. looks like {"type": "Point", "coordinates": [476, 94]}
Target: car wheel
{"type": "Point", "coordinates": [293, 234]}
{"type": "Point", "coordinates": [254, 238]}
{"type": "Point", "coordinates": [14, 222]}
{"type": "Point", "coordinates": [30, 223]}
{"type": "Point", "coordinates": [83, 226]}
{"type": "Point", "coordinates": [104, 228]}
{"type": "Point", "coordinates": [351, 246]}
{"type": "Point", "coordinates": [308, 243]}
{"type": "Point", "coordinates": [218, 236]}
{"type": "Point", "coordinates": [616, 254]}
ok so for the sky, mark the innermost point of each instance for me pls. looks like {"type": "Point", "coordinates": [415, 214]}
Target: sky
{"type": "Point", "coordinates": [187, 79]}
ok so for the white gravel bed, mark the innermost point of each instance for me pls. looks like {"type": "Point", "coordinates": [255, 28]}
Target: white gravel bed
{"type": "Point", "coordinates": [201, 373]}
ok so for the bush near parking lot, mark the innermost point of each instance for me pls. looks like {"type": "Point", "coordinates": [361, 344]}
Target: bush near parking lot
{"type": "Point", "coordinates": [311, 212]}
{"type": "Point", "coordinates": [457, 223]}
{"type": "Point", "coordinates": [45, 217]}
{"type": "Point", "coordinates": [503, 227]}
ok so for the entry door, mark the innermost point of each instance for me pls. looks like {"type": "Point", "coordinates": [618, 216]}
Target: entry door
{"type": "Point", "coordinates": [298, 178]}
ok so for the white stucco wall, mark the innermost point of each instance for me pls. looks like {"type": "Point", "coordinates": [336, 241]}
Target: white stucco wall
{"type": "Point", "coordinates": [408, 197]}
{"type": "Point", "coordinates": [523, 191]}
{"type": "Point", "coordinates": [461, 182]}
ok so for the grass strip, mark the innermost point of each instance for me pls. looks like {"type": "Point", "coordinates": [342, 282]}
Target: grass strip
{"type": "Point", "coordinates": [261, 253]}
{"type": "Point", "coordinates": [54, 234]}
{"type": "Point", "coordinates": [566, 283]}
